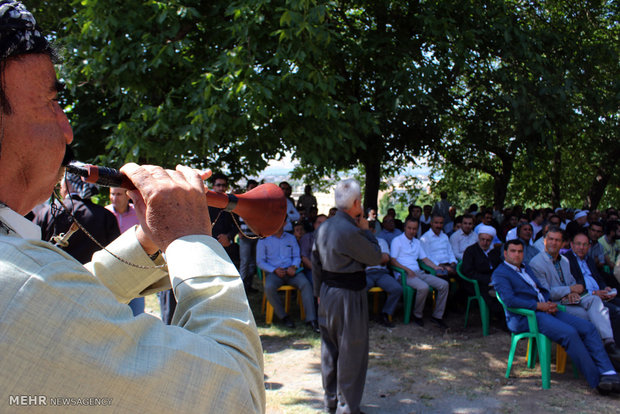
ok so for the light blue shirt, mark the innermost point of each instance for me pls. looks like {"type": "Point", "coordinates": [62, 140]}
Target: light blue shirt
{"type": "Point", "coordinates": [591, 284]}
{"type": "Point", "coordinates": [273, 252]}
{"type": "Point", "coordinates": [388, 236]}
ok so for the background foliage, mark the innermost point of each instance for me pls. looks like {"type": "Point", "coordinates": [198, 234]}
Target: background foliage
{"type": "Point", "coordinates": [509, 101]}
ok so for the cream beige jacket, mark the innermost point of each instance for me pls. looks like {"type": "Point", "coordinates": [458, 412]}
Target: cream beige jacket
{"type": "Point", "coordinates": [67, 339]}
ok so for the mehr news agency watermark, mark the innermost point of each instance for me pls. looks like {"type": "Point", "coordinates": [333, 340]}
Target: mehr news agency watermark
{"type": "Point", "coordinates": [44, 400]}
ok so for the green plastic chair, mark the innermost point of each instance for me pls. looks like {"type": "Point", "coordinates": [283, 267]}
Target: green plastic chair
{"type": "Point", "coordinates": [477, 297]}
{"type": "Point", "coordinates": [408, 292]}
{"type": "Point", "coordinates": [542, 342]}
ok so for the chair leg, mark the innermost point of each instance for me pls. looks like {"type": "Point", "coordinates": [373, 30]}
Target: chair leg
{"type": "Point", "coordinates": [469, 299]}
{"type": "Point", "coordinates": [287, 302]}
{"type": "Point", "coordinates": [531, 355]}
{"type": "Point", "coordinates": [302, 311]}
{"type": "Point", "coordinates": [408, 297]}
{"type": "Point", "coordinates": [484, 316]}
{"type": "Point", "coordinates": [511, 355]}
{"type": "Point", "coordinates": [375, 303]}
{"type": "Point", "coordinates": [560, 359]}
{"type": "Point", "coordinates": [268, 313]}
{"type": "Point", "coordinates": [544, 353]}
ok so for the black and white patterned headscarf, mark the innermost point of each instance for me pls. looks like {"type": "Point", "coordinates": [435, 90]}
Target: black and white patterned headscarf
{"type": "Point", "coordinates": [19, 32]}
{"type": "Point", "coordinates": [83, 189]}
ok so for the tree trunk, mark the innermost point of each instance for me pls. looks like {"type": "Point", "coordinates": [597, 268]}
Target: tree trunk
{"type": "Point", "coordinates": [500, 185]}
{"type": "Point", "coordinates": [597, 189]}
{"type": "Point", "coordinates": [372, 165]}
{"type": "Point", "coordinates": [556, 176]}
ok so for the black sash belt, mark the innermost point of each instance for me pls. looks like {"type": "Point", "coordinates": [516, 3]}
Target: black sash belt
{"type": "Point", "coordinates": [351, 281]}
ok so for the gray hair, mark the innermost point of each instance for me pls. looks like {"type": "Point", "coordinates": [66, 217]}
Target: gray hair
{"type": "Point", "coordinates": [346, 192]}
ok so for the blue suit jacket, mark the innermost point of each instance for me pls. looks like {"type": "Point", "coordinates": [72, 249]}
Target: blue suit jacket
{"type": "Point", "coordinates": [516, 293]}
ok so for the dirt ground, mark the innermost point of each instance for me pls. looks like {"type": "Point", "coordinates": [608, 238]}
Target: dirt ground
{"type": "Point", "coordinates": [421, 370]}
{"type": "Point", "coordinates": [426, 370]}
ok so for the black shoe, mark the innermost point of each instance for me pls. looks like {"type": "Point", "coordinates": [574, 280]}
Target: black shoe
{"type": "Point", "coordinates": [439, 322]}
{"type": "Point", "coordinates": [609, 383]}
{"type": "Point", "coordinates": [286, 321]}
{"type": "Point", "coordinates": [314, 325]}
{"type": "Point", "coordinates": [612, 350]}
{"type": "Point", "coordinates": [417, 320]}
{"type": "Point", "coordinates": [385, 321]}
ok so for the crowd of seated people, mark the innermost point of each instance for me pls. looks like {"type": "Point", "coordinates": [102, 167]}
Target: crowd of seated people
{"type": "Point", "coordinates": [446, 238]}
{"type": "Point", "coordinates": [564, 255]}
{"type": "Point", "coordinates": [570, 255]}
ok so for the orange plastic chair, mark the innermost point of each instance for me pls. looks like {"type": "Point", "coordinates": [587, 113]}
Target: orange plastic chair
{"type": "Point", "coordinates": [267, 308]}
{"type": "Point", "coordinates": [376, 292]}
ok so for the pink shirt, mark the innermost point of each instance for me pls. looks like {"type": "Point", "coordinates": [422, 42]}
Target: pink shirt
{"type": "Point", "coordinates": [125, 220]}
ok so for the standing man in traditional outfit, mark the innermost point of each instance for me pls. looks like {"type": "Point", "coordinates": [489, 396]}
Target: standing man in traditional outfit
{"type": "Point", "coordinates": [343, 247]}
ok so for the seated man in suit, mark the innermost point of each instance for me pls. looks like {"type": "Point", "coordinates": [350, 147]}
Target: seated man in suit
{"type": "Point", "coordinates": [379, 275]}
{"type": "Point", "coordinates": [519, 288]}
{"type": "Point", "coordinates": [405, 252]}
{"type": "Point", "coordinates": [584, 270]}
{"type": "Point", "coordinates": [479, 261]}
{"type": "Point", "coordinates": [553, 271]}
{"type": "Point", "coordinates": [278, 256]}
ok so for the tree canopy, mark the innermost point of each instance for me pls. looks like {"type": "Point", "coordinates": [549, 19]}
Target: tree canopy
{"type": "Point", "coordinates": [513, 101]}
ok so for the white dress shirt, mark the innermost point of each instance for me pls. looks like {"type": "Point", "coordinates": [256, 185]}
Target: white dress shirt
{"type": "Point", "coordinates": [460, 241]}
{"type": "Point", "coordinates": [407, 252]}
{"type": "Point", "coordinates": [385, 248]}
{"type": "Point", "coordinates": [437, 247]}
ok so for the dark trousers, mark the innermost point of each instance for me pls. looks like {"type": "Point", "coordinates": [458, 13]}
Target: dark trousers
{"type": "Point", "coordinates": [580, 339]}
{"type": "Point", "coordinates": [167, 304]}
{"type": "Point", "coordinates": [273, 283]}
{"type": "Point", "coordinates": [343, 319]}
{"type": "Point", "coordinates": [387, 282]}
{"type": "Point", "coordinates": [247, 261]}
{"type": "Point", "coordinates": [491, 301]}
{"type": "Point", "coordinates": [614, 316]}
